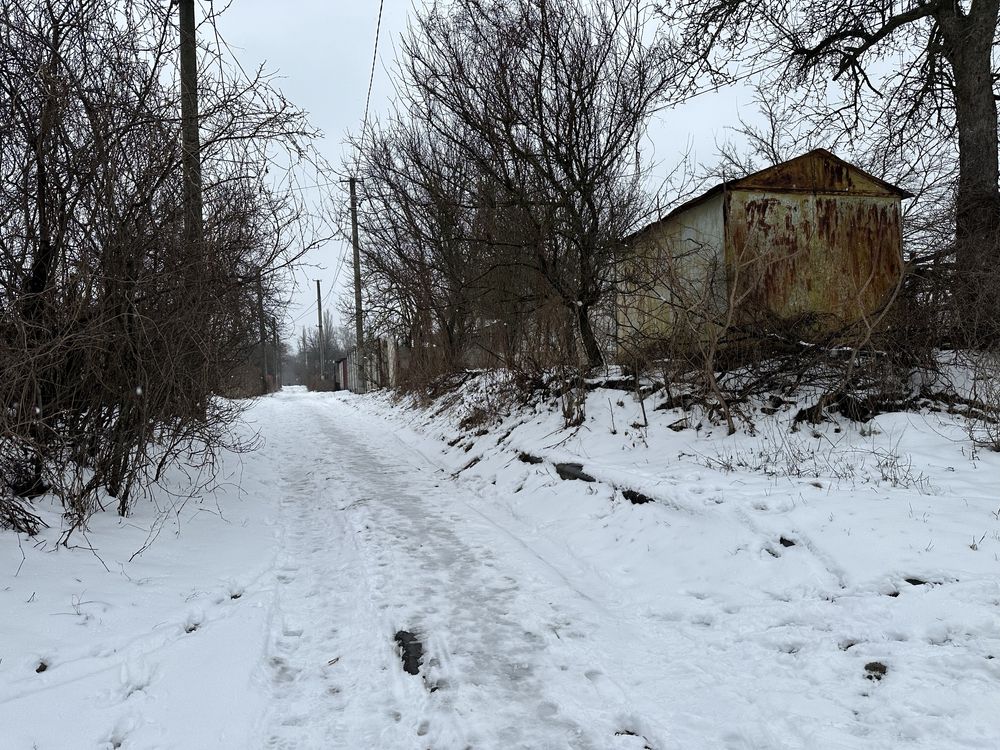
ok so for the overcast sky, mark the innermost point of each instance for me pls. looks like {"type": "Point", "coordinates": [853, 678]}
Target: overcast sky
{"type": "Point", "coordinates": [322, 51]}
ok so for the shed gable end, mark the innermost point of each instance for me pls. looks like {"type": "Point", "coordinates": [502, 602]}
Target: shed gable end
{"type": "Point", "coordinates": [818, 171]}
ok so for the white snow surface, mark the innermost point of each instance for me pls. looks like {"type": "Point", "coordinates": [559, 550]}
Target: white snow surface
{"type": "Point", "coordinates": [739, 609]}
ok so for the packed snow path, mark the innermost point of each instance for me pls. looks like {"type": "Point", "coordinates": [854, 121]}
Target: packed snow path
{"type": "Point", "coordinates": [377, 539]}
{"type": "Point", "coordinates": [737, 611]}
{"type": "Point", "coordinates": [551, 618]}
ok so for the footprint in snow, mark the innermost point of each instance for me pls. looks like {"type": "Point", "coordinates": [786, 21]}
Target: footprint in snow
{"type": "Point", "coordinates": [283, 673]}
{"type": "Point", "coordinates": [194, 620]}
{"type": "Point", "coordinates": [136, 676]}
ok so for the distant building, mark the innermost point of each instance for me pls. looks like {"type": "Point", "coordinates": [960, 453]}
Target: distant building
{"type": "Point", "coordinates": [813, 241]}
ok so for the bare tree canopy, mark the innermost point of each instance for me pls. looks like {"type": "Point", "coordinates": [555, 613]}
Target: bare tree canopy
{"type": "Point", "coordinates": [120, 327]}
{"type": "Point", "coordinates": [535, 106]}
{"type": "Point", "coordinates": [927, 68]}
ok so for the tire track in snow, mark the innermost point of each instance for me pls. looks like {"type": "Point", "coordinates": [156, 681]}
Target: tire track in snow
{"type": "Point", "coordinates": [373, 545]}
{"type": "Point", "coordinates": [321, 609]}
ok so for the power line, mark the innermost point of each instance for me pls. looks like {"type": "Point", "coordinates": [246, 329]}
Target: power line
{"type": "Point", "coordinates": [371, 77]}
{"type": "Point", "coordinates": [330, 291]}
{"type": "Point", "coordinates": [364, 128]}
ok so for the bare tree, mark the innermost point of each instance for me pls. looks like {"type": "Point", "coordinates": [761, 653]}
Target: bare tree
{"type": "Point", "coordinates": [338, 341]}
{"type": "Point", "coordinates": [547, 99]}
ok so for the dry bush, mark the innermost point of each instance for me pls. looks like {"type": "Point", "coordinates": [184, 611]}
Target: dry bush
{"type": "Point", "coordinates": [117, 332]}
{"type": "Point", "coordinates": [702, 331]}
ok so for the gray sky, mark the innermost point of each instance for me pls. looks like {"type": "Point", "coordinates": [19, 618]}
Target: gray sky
{"type": "Point", "coordinates": [322, 51]}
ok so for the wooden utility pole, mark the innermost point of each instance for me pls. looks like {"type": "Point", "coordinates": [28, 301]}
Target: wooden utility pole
{"type": "Point", "coordinates": [359, 330]}
{"type": "Point", "coordinates": [319, 313]}
{"type": "Point", "coordinates": [190, 141]}
{"type": "Point", "coordinates": [277, 354]}
{"type": "Point", "coordinates": [263, 334]}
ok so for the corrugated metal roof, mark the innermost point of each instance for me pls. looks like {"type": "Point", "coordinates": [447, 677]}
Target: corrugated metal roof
{"type": "Point", "coordinates": [793, 176]}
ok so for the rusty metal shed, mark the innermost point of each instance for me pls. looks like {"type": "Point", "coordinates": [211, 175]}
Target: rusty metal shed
{"type": "Point", "coordinates": [811, 239]}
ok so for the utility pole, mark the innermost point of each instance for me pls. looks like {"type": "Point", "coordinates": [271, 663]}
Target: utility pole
{"type": "Point", "coordinates": [263, 334]}
{"type": "Point", "coordinates": [359, 330]}
{"type": "Point", "coordinates": [277, 354]}
{"type": "Point", "coordinates": [319, 313]}
{"type": "Point", "coordinates": [190, 141]}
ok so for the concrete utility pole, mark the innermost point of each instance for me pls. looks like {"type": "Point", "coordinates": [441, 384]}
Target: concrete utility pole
{"type": "Point", "coordinates": [319, 313]}
{"type": "Point", "coordinates": [304, 348]}
{"type": "Point", "coordinates": [263, 334]}
{"type": "Point", "coordinates": [277, 354]}
{"type": "Point", "coordinates": [190, 141]}
{"type": "Point", "coordinates": [359, 330]}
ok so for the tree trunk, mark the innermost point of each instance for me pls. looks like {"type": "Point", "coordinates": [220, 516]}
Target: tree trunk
{"type": "Point", "coordinates": [594, 356]}
{"type": "Point", "coordinates": [968, 48]}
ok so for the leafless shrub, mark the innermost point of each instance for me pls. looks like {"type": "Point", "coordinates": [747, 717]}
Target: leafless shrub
{"type": "Point", "coordinates": [982, 415]}
{"type": "Point", "coordinates": [117, 332]}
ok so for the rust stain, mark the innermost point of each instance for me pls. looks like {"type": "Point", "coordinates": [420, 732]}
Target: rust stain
{"type": "Point", "coordinates": [797, 254]}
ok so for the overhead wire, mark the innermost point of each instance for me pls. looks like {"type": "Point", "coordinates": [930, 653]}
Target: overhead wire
{"type": "Point", "coordinates": [371, 75]}
{"type": "Point", "coordinates": [364, 127]}
{"type": "Point", "coordinates": [333, 286]}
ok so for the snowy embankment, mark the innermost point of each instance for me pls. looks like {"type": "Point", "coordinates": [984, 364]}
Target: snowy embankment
{"type": "Point", "coordinates": [835, 588]}
{"type": "Point", "coordinates": [832, 587]}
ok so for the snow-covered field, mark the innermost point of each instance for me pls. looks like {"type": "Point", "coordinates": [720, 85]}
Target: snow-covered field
{"type": "Point", "coordinates": [836, 588]}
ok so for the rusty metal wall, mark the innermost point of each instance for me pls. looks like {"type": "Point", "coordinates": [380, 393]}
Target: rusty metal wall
{"type": "Point", "coordinates": [796, 254]}
{"type": "Point", "coordinates": [812, 240]}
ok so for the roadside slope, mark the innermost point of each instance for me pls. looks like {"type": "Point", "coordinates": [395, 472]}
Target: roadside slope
{"type": "Point", "coordinates": [782, 570]}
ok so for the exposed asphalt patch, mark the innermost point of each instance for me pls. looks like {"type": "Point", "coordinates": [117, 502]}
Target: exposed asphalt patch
{"type": "Point", "coordinates": [411, 651]}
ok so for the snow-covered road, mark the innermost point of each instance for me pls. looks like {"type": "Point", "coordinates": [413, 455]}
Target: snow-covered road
{"type": "Point", "coordinates": [736, 612]}
{"type": "Point", "coordinates": [376, 539]}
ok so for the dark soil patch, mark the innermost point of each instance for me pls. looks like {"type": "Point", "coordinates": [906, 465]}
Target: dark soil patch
{"type": "Point", "coordinates": [573, 471]}
{"type": "Point", "coordinates": [505, 436]}
{"type": "Point", "coordinates": [916, 581]}
{"type": "Point", "coordinates": [680, 401]}
{"type": "Point", "coordinates": [527, 458]}
{"type": "Point", "coordinates": [469, 465]}
{"type": "Point", "coordinates": [636, 498]}
{"type": "Point", "coordinates": [875, 670]}
{"type": "Point", "coordinates": [623, 383]}
{"type": "Point", "coordinates": [785, 542]}
{"type": "Point", "coordinates": [42, 666]}
{"type": "Point", "coordinates": [411, 651]}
